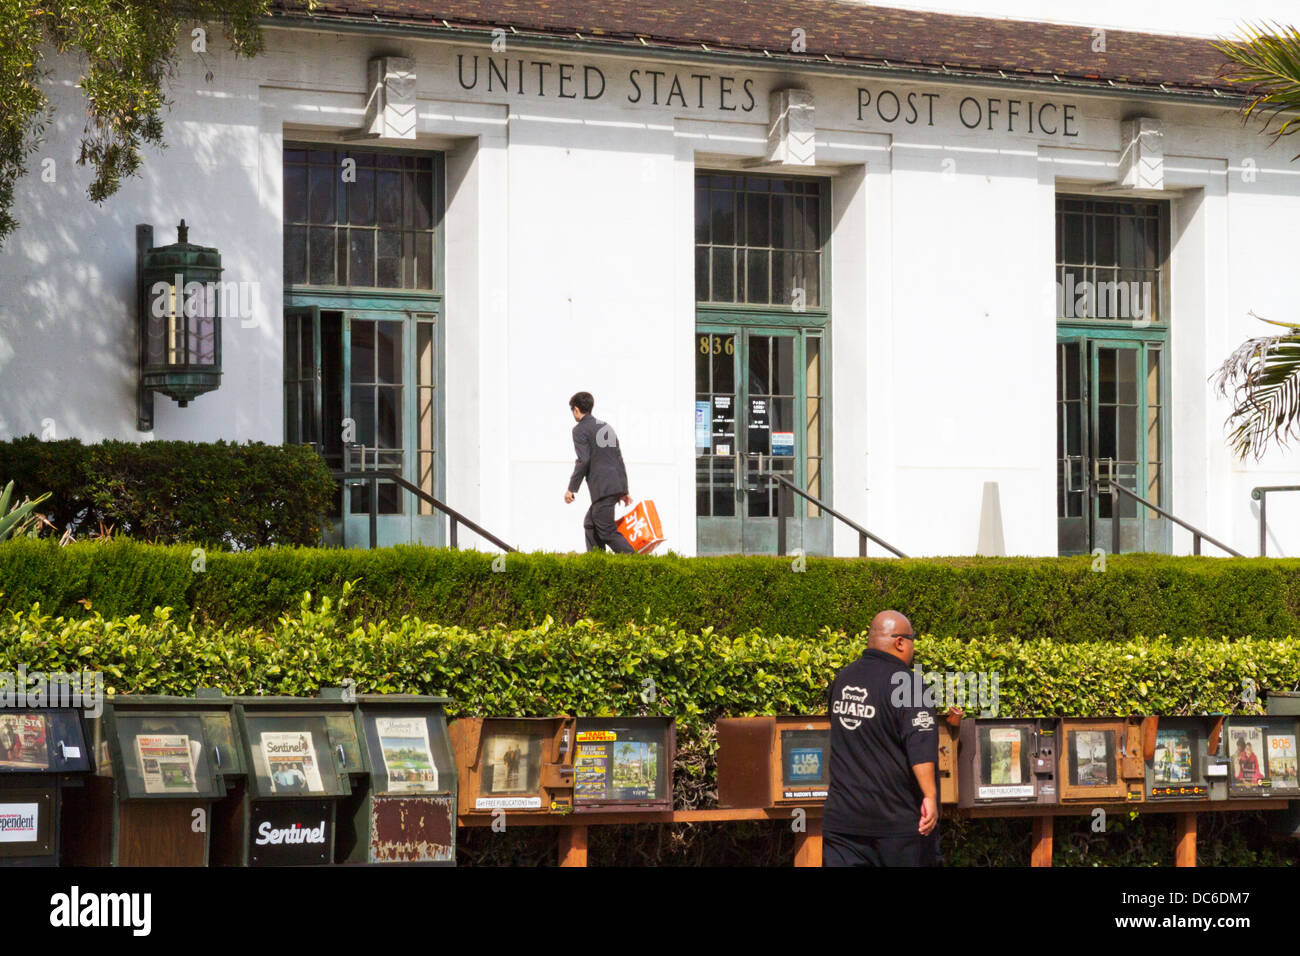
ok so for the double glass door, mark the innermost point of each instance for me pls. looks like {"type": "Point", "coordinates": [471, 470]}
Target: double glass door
{"type": "Point", "coordinates": [758, 411]}
{"type": "Point", "coordinates": [361, 387]}
{"type": "Point", "coordinates": [1110, 426]}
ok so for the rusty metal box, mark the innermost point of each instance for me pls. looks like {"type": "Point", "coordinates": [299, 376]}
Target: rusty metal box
{"type": "Point", "coordinates": [404, 809]}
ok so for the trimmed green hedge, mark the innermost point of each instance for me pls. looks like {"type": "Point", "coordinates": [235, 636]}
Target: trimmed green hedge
{"type": "Point", "coordinates": [1057, 598]}
{"type": "Point", "coordinates": [210, 493]}
{"type": "Point", "coordinates": [590, 668]}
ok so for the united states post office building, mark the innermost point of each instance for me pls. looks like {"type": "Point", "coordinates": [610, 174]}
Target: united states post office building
{"type": "Point", "coordinates": [940, 299]}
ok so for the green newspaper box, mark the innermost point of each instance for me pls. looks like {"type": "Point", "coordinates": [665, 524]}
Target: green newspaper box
{"type": "Point", "coordinates": [302, 755]}
{"type": "Point", "coordinates": [161, 765]}
{"type": "Point", "coordinates": [404, 809]}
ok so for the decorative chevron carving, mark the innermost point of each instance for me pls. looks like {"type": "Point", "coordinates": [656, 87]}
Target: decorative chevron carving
{"type": "Point", "coordinates": [1142, 164]}
{"type": "Point", "coordinates": [791, 129]}
{"type": "Point", "coordinates": [390, 109]}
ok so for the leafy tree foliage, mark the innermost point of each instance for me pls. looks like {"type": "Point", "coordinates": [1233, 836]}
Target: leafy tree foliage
{"type": "Point", "coordinates": [126, 50]}
{"type": "Point", "coordinates": [1262, 375]}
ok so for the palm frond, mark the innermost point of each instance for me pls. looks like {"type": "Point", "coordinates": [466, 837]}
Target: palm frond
{"type": "Point", "coordinates": [1262, 378]}
{"type": "Point", "coordinates": [1267, 61]}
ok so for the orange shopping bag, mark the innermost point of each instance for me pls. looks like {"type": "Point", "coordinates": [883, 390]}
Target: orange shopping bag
{"type": "Point", "coordinates": [641, 527]}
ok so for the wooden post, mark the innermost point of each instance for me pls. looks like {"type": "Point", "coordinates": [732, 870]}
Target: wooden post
{"type": "Point", "coordinates": [808, 845]}
{"type": "Point", "coordinates": [1185, 840]}
{"type": "Point", "coordinates": [1041, 855]}
{"type": "Point", "coordinates": [573, 845]}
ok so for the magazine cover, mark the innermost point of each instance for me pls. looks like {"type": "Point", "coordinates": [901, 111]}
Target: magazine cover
{"type": "Point", "coordinates": [291, 763]}
{"type": "Point", "coordinates": [636, 769]}
{"type": "Point", "coordinates": [1091, 768]}
{"type": "Point", "coordinates": [1004, 756]}
{"type": "Point", "coordinates": [1173, 757]}
{"type": "Point", "coordinates": [408, 758]}
{"type": "Point", "coordinates": [1246, 743]}
{"type": "Point", "coordinates": [508, 757]}
{"type": "Point", "coordinates": [166, 763]}
{"type": "Point", "coordinates": [1282, 761]}
{"type": "Point", "coordinates": [591, 771]}
{"type": "Point", "coordinates": [22, 742]}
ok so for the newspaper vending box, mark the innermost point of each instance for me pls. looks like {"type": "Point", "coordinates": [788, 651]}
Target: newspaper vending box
{"type": "Point", "coordinates": [770, 762]}
{"type": "Point", "coordinates": [520, 764]}
{"type": "Point", "coordinates": [43, 755]}
{"type": "Point", "coordinates": [564, 764]}
{"type": "Point", "coordinates": [161, 765]}
{"type": "Point", "coordinates": [1281, 704]}
{"type": "Point", "coordinates": [1101, 759]}
{"type": "Point", "coordinates": [766, 762]}
{"type": "Point", "coordinates": [1183, 758]}
{"type": "Point", "coordinates": [623, 763]}
{"type": "Point", "coordinates": [1261, 756]}
{"type": "Point", "coordinates": [302, 754]}
{"type": "Point", "coordinates": [404, 810]}
{"type": "Point", "coordinates": [1007, 761]}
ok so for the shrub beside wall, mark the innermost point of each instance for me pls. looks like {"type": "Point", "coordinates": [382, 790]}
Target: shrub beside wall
{"type": "Point", "coordinates": [1056, 598]}
{"type": "Point", "coordinates": [210, 493]}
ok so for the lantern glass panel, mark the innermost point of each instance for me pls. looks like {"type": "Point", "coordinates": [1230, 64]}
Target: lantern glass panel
{"type": "Point", "coordinates": [156, 343]}
{"type": "Point", "coordinates": [201, 309]}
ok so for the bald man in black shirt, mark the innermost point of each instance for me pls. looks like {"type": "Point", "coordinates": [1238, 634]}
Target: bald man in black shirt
{"type": "Point", "coordinates": [882, 806]}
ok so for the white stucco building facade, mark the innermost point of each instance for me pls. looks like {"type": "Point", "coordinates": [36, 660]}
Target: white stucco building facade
{"type": "Point", "coordinates": [907, 347]}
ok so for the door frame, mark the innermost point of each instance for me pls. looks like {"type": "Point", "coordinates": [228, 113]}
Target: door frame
{"type": "Point", "coordinates": [1088, 335]}
{"type": "Point", "coordinates": [401, 306]}
{"type": "Point", "coordinates": [743, 321]}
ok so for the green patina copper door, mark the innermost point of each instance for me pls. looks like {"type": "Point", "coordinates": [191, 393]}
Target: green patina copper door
{"type": "Point", "coordinates": [758, 410]}
{"type": "Point", "coordinates": [361, 385]}
{"type": "Point", "coordinates": [1111, 423]}
{"type": "Point", "coordinates": [363, 355]}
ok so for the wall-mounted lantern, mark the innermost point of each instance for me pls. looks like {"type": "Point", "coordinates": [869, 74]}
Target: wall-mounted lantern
{"type": "Point", "coordinates": [180, 320]}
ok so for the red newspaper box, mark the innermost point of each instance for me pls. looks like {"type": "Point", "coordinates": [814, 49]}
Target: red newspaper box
{"type": "Point", "coordinates": [641, 527]}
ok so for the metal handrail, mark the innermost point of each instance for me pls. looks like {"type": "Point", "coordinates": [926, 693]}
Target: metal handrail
{"type": "Point", "coordinates": [373, 477]}
{"type": "Point", "coordinates": [1260, 494]}
{"type": "Point", "coordinates": [1115, 488]}
{"type": "Point", "coordinates": [784, 510]}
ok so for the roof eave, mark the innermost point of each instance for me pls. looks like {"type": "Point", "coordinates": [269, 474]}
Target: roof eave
{"type": "Point", "coordinates": [825, 64]}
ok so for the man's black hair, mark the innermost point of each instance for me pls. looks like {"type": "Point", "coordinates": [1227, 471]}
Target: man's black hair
{"type": "Point", "coordinates": [583, 402]}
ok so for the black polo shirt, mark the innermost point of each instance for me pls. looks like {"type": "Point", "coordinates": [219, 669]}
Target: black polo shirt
{"type": "Point", "coordinates": [876, 738]}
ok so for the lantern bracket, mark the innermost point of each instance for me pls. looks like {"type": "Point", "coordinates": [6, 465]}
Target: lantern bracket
{"type": "Point", "coordinates": [143, 396]}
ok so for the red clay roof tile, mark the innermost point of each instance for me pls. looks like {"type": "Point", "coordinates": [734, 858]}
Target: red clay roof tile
{"type": "Point", "coordinates": [853, 32]}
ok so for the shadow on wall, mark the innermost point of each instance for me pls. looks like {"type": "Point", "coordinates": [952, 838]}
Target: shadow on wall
{"type": "Point", "coordinates": [67, 273]}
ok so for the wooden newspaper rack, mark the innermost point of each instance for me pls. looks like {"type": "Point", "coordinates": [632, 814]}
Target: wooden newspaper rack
{"type": "Point", "coordinates": [775, 768]}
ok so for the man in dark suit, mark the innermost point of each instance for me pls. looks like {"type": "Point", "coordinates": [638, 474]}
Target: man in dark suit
{"type": "Point", "coordinates": [600, 461]}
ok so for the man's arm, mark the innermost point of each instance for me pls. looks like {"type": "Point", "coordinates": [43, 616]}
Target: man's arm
{"type": "Point", "coordinates": [622, 472]}
{"type": "Point", "coordinates": [924, 773]}
{"type": "Point", "coordinates": [582, 446]}
{"type": "Point", "coordinates": [920, 740]}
